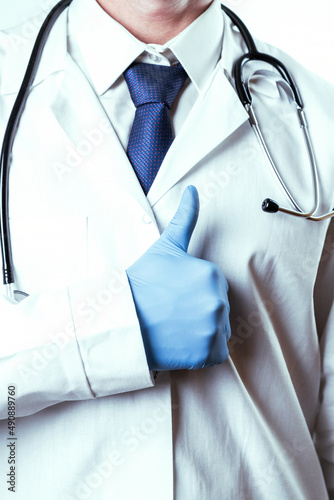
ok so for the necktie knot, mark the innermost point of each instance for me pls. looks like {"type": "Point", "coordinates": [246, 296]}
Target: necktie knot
{"type": "Point", "coordinates": [152, 83]}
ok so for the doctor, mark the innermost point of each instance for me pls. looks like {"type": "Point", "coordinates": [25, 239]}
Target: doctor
{"type": "Point", "coordinates": [105, 353]}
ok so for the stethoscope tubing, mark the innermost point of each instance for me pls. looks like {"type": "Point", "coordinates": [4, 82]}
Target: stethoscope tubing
{"type": "Point", "coordinates": [13, 122]}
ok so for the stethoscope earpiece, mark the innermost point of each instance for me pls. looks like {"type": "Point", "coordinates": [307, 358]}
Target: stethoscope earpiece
{"type": "Point", "coordinates": [270, 206]}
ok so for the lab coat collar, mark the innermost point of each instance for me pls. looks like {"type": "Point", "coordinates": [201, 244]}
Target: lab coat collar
{"type": "Point", "coordinates": [80, 114]}
{"type": "Point", "coordinates": [215, 116]}
{"type": "Point", "coordinates": [104, 49]}
{"type": "Point", "coordinates": [19, 44]}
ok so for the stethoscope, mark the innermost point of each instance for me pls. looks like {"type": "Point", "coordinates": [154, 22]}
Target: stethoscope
{"type": "Point", "coordinates": [242, 89]}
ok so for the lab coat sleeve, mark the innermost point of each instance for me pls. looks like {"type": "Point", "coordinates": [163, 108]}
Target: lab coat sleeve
{"type": "Point", "coordinates": [73, 344]}
{"type": "Point", "coordinates": [324, 306]}
{"type": "Point", "coordinates": [78, 343]}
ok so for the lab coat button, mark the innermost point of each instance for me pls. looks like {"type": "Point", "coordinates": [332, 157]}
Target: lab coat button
{"type": "Point", "coordinates": [147, 219]}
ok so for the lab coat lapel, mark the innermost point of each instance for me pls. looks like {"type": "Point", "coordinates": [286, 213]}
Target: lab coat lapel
{"type": "Point", "coordinates": [19, 48]}
{"type": "Point", "coordinates": [80, 114]}
{"type": "Point", "coordinates": [214, 117]}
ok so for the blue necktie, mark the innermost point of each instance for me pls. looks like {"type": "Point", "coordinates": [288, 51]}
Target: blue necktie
{"type": "Point", "coordinates": [153, 89]}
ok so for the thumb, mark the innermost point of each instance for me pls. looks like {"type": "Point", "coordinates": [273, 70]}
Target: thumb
{"type": "Point", "coordinates": [181, 227]}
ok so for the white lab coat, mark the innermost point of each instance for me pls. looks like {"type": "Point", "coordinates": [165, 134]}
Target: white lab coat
{"type": "Point", "coordinates": [95, 423]}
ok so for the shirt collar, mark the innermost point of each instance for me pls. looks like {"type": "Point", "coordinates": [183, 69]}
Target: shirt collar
{"type": "Point", "coordinates": [104, 49]}
{"type": "Point", "coordinates": [198, 48]}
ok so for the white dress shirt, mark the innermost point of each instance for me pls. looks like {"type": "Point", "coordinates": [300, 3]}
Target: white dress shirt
{"type": "Point", "coordinates": [104, 49]}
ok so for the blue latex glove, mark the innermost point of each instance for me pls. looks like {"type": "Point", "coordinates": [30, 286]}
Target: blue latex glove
{"type": "Point", "coordinates": [181, 301]}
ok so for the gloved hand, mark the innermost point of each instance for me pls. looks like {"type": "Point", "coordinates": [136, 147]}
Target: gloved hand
{"type": "Point", "coordinates": [181, 301]}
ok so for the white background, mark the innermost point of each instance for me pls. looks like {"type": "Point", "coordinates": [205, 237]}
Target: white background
{"type": "Point", "coordinates": [303, 28]}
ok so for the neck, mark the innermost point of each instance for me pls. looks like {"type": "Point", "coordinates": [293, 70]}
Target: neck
{"type": "Point", "coordinates": [154, 21]}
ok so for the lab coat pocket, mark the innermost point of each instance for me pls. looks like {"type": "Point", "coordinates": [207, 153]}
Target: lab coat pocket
{"type": "Point", "coordinates": [48, 252]}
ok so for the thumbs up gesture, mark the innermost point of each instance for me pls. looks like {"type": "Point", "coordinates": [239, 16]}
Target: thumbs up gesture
{"type": "Point", "coordinates": [181, 301]}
